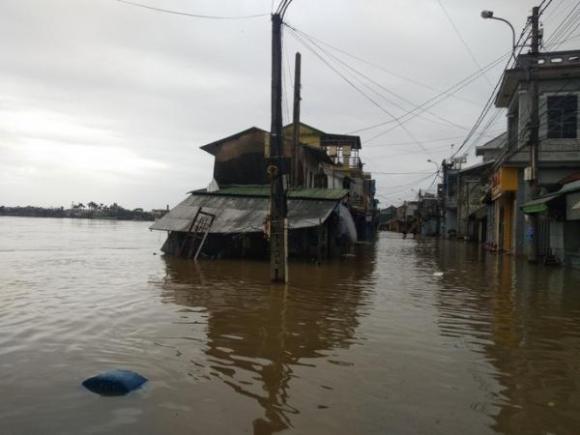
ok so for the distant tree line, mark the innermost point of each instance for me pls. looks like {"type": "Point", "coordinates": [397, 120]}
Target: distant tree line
{"type": "Point", "coordinates": [92, 210]}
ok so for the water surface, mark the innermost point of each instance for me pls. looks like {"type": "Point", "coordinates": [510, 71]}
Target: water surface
{"type": "Point", "coordinates": [370, 344]}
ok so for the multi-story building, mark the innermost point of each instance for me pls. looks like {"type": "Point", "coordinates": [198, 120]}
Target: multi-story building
{"type": "Point", "coordinates": [558, 81]}
{"type": "Point", "coordinates": [330, 198]}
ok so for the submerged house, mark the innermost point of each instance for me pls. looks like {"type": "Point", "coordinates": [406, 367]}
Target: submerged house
{"type": "Point", "coordinates": [330, 199]}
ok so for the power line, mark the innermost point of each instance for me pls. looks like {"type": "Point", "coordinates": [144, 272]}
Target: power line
{"type": "Point", "coordinates": [377, 66]}
{"type": "Point", "coordinates": [568, 30]}
{"type": "Point", "coordinates": [395, 144]}
{"type": "Point", "coordinates": [560, 29]}
{"type": "Point", "coordinates": [489, 102]}
{"type": "Point", "coordinates": [188, 14]}
{"type": "Point", "coordinates": [570, 18]}
{"type": "Point", "coordinates": [435, 99]}
{"type": "Point", "coordinates": [413, 182]}
{"type": "Point", "coordinates": [463, 40]}
{"type": "Point", "coordinates": [390, 154]}
{"type": "Point", "coordinates": [542, 8]}
{"type": "Point", "coordinates": [374, 82]}
{"type": "Point", "coordinates": [353, 85]}
{"type": "Point", "coordinates": [282, 7]}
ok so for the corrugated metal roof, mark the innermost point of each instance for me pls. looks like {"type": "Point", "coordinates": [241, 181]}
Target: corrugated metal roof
{"type": "Point", "coordinates": [263, 191]}
{"type": "Point", "coordinates": [574, 186]}
{"type": "Point", "coordinates": [242, 214]}
{"type": "Point", "coordinates": [538, 205]}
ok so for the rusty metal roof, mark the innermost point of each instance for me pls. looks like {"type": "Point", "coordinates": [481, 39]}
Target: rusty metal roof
{"type": "Point", "coordinates": [235, 214]}
{"type": "Point", "coordinates": [213, 146]}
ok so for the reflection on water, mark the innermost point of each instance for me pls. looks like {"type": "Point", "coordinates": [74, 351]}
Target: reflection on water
{"type": "Point", "coordinates": [372, 344]}
{"type": "Point", "coordinates": [525, 320]}
{"type": "Point", "coordinates": [257, 334]}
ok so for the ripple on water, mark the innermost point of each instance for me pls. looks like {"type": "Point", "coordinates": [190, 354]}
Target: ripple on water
{"type": "Point", "coordinates": [370, 344]}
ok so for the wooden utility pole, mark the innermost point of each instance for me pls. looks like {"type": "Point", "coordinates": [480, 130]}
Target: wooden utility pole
{"type": "Point", "coordinates": [296, 152]}
{"type": "Point", "coordinates": [534, 136]}
{"type": "Point", "coordinates": [278, 205]}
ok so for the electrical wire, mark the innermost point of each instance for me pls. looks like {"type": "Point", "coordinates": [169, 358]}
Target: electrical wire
{"type": "Point", "coordinates": [471, 54]}
{"type": "Point", "coordinates": [556, 37]}
{"type": "Point", "coordinates": [543, 8]}
{"type": "Point", "coordinates": [560, 30]}
{"type": "Point", "coordinates": [356, 87]}
{"type": "Point", "coordinates": [374, 82]}
{"type": "Point", "coordinates": [192, 15]}
{"type": "Point", "coordinates": [489, 104]}
{"type": "Point", "coordinates": [433, 101]}
{"type": "Point", "coordinates": [377, 66]}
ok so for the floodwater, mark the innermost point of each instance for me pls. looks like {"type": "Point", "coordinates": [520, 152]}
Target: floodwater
{"type": "Point", "coordinates": [376, 343]}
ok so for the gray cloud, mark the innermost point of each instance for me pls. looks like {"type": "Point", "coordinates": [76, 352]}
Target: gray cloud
{"type": "Point", "coordinates": [107, 102]}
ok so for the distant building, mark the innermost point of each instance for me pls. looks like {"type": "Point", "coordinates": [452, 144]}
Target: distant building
{"type": "Point", "coordinates": [471, 211]}
{"type": "Point", "coordinates": [428, 214]}
{"type": "Point", "coordinates": [386, 215]}
{"type": "Point", "coordinates": [447, 192]}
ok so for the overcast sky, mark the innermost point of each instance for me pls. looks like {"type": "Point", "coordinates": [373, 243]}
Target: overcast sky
{"type": "Point", "coordinates": [103, 101]}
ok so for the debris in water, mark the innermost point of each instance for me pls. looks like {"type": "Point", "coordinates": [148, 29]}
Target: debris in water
{"type": "Point", "coordinates": [114, 382]}
{"type": "Point", "coordinates": [438, 274]}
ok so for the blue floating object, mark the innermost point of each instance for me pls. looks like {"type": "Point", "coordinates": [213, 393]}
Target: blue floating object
{"type": "Point", "coordinates": [114, 382]}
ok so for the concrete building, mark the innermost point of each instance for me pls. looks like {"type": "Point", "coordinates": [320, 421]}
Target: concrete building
{"type": "Point", "coordinates": [558, 76]}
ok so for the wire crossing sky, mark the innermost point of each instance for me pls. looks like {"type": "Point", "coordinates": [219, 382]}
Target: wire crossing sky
{"type": "Point", "coordinates": [109, 100]}
{"type": "Point", "coordinates": [188, 14]}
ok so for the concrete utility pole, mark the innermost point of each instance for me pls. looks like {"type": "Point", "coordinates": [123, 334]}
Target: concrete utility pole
{"type": "Point", "coordinates": [534, 136]}
{"type": "Point", "coordinates": [278, 204]}
{"type": "Point", "coordinates": [296, 120]}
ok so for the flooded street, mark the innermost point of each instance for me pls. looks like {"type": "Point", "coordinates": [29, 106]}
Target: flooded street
{"type": "Point", "coordinates": [377, 343]}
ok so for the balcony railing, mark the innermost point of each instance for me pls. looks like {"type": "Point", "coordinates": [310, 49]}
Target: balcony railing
{"type": "Point", "coordinates": [350, 162]}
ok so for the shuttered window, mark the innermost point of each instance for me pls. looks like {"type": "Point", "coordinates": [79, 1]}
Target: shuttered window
{"type": "Point", "coordinates": [562, 116]}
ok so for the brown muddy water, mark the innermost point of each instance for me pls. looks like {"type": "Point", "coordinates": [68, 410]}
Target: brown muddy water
{"type": "Point", "coordinates": [371, 344]}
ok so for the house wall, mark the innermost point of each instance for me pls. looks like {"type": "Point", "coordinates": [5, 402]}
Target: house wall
{"type": "Point", "coordinates": [504, 222]}
{"type": "Point", "coordinates": [308, 136]}
{"type": "Point", "coordinates": [242, 161]}
{"type": "Point", "coordinates": [551, 150]}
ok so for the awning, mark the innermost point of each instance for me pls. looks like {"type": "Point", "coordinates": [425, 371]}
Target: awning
{"type": "Point", "coordinates": [539, 205]}
{"type": "Point", "coordinates": [236, 214]}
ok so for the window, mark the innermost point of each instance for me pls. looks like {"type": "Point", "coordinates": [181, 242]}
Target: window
{"type": "Point", "coordinates": [562, 116]}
